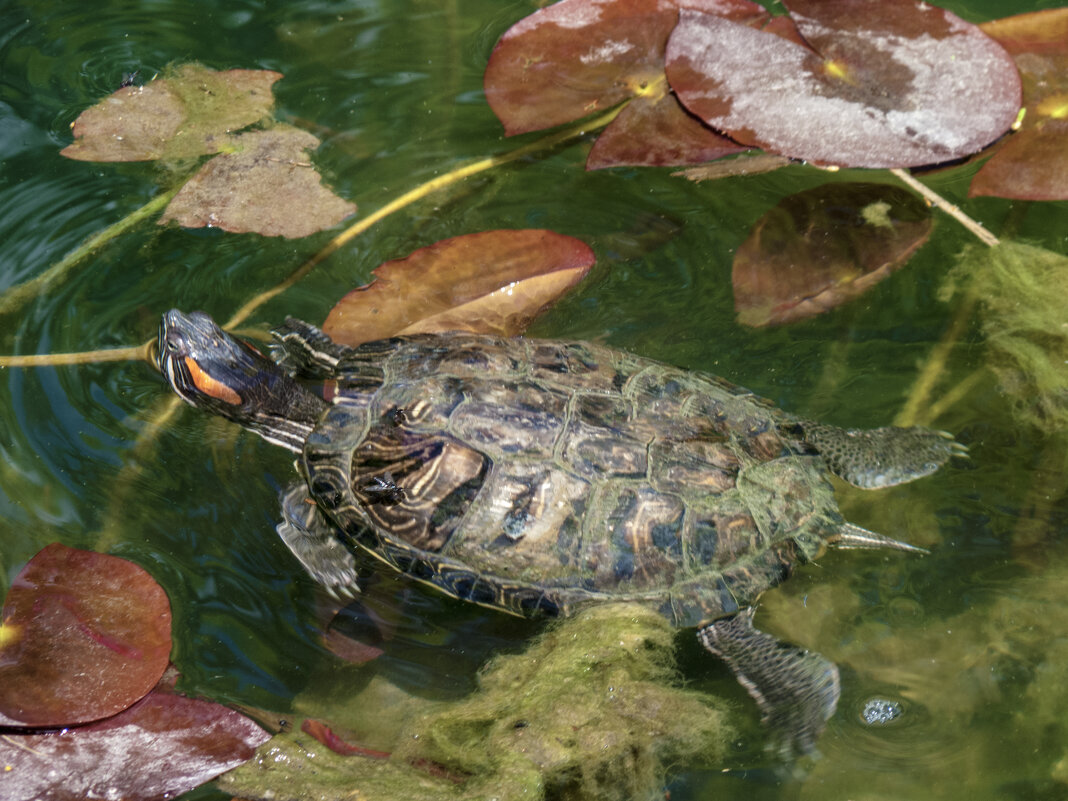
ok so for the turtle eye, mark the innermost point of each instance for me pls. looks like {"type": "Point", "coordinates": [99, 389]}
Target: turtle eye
{"type": "Point", "coordinates": [173, 342]}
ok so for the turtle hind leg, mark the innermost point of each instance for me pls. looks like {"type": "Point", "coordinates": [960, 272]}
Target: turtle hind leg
{"type": "Point", "coordinates": [314, 541]}
{"type": "Point", "coordinates": [881, 457]}
{"type": "Point", "coordinates": [796, 690]}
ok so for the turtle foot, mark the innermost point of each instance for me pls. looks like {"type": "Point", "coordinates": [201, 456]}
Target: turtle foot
{"type": "Point", "coordinates": [882, 457]}
{"type": "Point", "coordinates": [797, 690]}
{"type": "Point", "coordinates": [315, 543]}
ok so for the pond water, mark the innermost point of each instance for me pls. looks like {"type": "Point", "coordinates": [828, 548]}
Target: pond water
{"type": "Point", "coordinates": [970, 640]}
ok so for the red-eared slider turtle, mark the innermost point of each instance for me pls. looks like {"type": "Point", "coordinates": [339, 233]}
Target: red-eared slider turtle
{"type": "Point", "coordinates": [539, 476]}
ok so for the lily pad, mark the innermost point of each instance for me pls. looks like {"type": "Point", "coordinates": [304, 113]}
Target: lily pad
{"type": "Point", "coordinates": [266, 186]}
{"type": "Point", "coordinates": [822, 247]}
{"type": "Point", "coordinates": [184, 115]}
{"type": "Point", "coordinates": [493, 282]}
{"type": "Point", "coordinates": [85, 635]}
{"type": "Point", "coordinates": [161, 747]}
{"type": "Point", "coordinates": [579, 57]}
{"type": "Point", "coordinates": [1033, 163]}
{"type": "Point", "coordinates": [889, 84]}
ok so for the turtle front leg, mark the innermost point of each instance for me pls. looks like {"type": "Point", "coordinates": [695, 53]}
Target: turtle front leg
{"type": "Point", "coordinates": [880, 457]}
{"type": "Point", "coordinates": [314, 541]}
{"type": "Point", "coordinates": [796, 690]}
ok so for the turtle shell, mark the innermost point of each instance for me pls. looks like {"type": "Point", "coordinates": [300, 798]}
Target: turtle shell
{"type": "Point", "coordinates": [540, 475]}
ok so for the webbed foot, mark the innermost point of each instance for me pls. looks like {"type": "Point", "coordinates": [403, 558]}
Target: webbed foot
{"type": "Point", "coordinates": [797, 690]}
{"type": "Point", "coordinates": [314, 541]}
{"type": "Point", "coordinates": [881, 457]}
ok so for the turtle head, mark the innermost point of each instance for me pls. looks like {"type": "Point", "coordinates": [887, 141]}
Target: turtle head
{"type": "Point", "coordinates": [215, 371]}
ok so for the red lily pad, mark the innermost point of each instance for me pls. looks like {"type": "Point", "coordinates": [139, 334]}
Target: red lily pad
{"type": "Point", "coordinates": [85, 635]}
{"type": "Point", "coordinates": [493, 282]}
{"type": "Point", "coordinates": [657, 133]}
{"type": "Point", "coordinates": [184, 115]}
{"type": "Point", "coordinates": [1033, 163]}
{"type": "Point", "coordinates": [822, 247]}
{"type": "Point", "coordinates": [162, 746]}
{"type": "Point", "coordinates": [266, 186]}
{"type": "Point", "coordinates": [889, 84]}
{"type": "Point", "coordinates": [578, 57]}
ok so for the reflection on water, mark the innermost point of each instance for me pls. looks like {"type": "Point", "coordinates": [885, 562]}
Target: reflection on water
{"type": "Point", "coordinates": [968, 641]}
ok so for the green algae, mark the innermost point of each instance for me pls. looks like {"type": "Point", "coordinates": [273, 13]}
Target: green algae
{"type": "Point", "coordinates": [593, 709]}
{"type": "Point", "coordinates": [1021, 291]}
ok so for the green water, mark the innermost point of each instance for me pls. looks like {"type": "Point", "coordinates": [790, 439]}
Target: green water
{"type": "Point", "coordinates": [970, 638]}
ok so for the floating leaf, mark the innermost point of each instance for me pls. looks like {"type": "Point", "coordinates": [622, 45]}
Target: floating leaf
{"type": "Point", "coordinates": [491, 282]}
{"type": "Point", "coordinates": [183, 115]}
{"type": "Point", "coordinates": [657, 133]}
{"type": "Point", "coordinates": [822, 247]}
{"type": "Point", "coordinates": [577, 57]}
{"type": "Point", "coordinates": [267, 186]}
{"type": "Point", "coordinates": [161, 747]}
{"type": "Point", "coordinates": [888, 84]}
{"type": "Point", "coordinates": [86, 635]}
{"type": "Point", "coordinates": [1033, 163]}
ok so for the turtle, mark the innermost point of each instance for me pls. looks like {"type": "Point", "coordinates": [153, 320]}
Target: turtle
{"type": "Point", "coordinates": [538, 476]}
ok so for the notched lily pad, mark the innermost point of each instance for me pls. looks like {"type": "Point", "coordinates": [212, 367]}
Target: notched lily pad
{"type": "Point", "coordinates": [183, 115]}
{"type": "Point", "coordinates": [578, 57]}
{"type": "Point", "coordinates": [266, 186]}
{"type": "Point", "coordinates": [1033, 163]}
{"type": "Point", "coordinates": [491, 282]}
{"type": "Point", "coordinates": [86, 635]}
{"type": "Point", "coordinates": [822, 247]}
{"type": "Point", "coordinates": [161, 747]}
{"type": "Point", "coordinates": [888, 84]}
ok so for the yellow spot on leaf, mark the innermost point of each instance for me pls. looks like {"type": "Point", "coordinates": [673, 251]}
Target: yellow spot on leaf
{"type": "Point", "coordinates": [9, 635]}
{"type": "Point", "coordinates": [838, 70]}
{"type": "Point", "coordinates": [1055, 106]}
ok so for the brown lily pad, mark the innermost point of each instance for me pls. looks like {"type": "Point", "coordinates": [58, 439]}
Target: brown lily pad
{"type": "Point", "coordinates": [1033, 163]}
{"type": "Point", "coordinates": [889, 84]}
{"type": "Point", "coordinates": [657, 133]}
{"type": "Point", "coordinates": [183, 115]}
{"type": "Point", "coordinates": [266, 186]}
{"type": "Point", "coordinates": [491, 282]}
{"type": "Point", "coordinates": [85, 635]}
{"type": "Point", "coordinates": [578, 57]}
{"type": "Point", "coordinates": [822, 247]}
{"type": "Point", "coordinates": [162, 746]}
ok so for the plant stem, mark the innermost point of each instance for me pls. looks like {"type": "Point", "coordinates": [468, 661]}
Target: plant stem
{"type": "Point", "coordinates": [936, 360]}
{"type": "Point", "coordinates": [418, 193]}
{"type": "Point", "coordinates": [83, 357]}
{"type": "Point", "coordinates": [17, 296]}
{"type": "Point", "coordinates": [953, 211]}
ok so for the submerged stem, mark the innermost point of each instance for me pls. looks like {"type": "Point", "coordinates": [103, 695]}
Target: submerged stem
{"type": "Point", "coordinates": [952, 210]}
{"type": "Point", "coordinates": [418, 193]}
{"type": "Point", "coordinates": [936, 360]}
{"type": "Point", "coordinates": [935, 364]}
{"type": "Point", "coordinates": [137, 352]}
